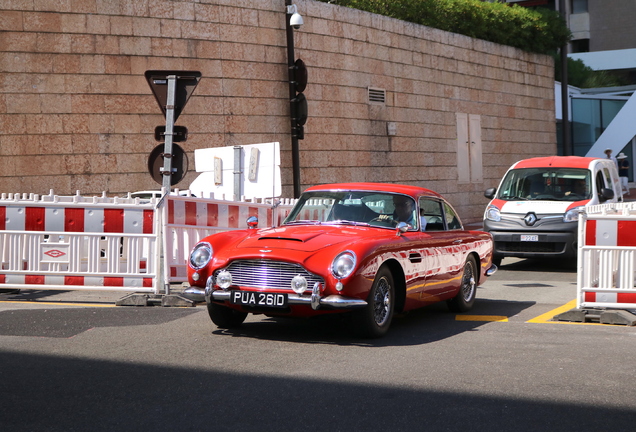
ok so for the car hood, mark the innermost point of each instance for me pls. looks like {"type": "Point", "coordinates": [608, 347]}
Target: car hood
{"type": "Point", "coordinates": [307, 238]}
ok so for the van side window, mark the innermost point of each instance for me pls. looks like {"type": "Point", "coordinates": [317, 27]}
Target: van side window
{"type": "Point", "coordinates": [431, 218]}
{"type": "Point", "coordinates": [600, 185]}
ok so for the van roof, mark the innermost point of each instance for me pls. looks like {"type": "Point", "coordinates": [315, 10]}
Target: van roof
{"type": "Point", "coordinates": [557, 161]}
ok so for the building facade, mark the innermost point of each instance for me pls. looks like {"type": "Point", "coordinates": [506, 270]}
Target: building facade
{"type": "Point", "coordinates": [389, 101]}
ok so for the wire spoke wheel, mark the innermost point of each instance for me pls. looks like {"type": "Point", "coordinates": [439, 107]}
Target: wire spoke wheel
{"type": "Point", "coordinates": [465, 297]}
{"type": "Point", "coordinates": [374, 320]}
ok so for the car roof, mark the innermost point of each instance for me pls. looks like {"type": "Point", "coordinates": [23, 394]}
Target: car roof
{"type": "Point", "coordinates": [377, 187]}
{"type": "Point", "coordinates": [557, 162]}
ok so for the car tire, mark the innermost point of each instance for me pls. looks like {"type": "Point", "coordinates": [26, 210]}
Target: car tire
{"type": "Point", "coordinates": [225, 317]}
{"type": "Point", "coordinates": [374, 319]}
{"type": "Point", "coordinates": [465, 298]}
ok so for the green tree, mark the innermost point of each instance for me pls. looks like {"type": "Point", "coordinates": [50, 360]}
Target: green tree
{"type": "Point", "coordinates": [541, 30]}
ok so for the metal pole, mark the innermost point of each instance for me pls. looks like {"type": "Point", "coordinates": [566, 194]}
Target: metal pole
{"type": "Point", "coordinates": [291, 70]}
{"type": "Point", "coordinates": [565, 96]}
{"type": "Point", "coordinates": [167, 146]}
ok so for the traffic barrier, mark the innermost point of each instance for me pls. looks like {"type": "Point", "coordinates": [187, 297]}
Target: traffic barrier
{"type": "Point", "coordinates": [190, 219]}
{"type": "Point", "coordinates": [56, 242]}
{"type": "Point", "coordinates": [77, 243]}
{"type": "Point", "coordinates": [607, 257]}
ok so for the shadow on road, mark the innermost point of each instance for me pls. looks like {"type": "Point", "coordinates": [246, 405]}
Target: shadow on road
{"type": "Point", "coordinates": [70, 394]}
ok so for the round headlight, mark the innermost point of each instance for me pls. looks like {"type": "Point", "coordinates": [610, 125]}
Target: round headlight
{"type": "Point", "coordinates": [343, 265]}
{"type": "Point", "coordinates": [493, 213]}
{"type": "Point", "coordinates": [200, 255]}
{"type": "Point", "coordinates": [299, 284]}
{"type": "Point", "coordinates": [224, 279]}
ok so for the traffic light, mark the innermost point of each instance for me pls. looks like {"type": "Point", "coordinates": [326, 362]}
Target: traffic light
{"type": "Point", "coordinates": [298, 103]}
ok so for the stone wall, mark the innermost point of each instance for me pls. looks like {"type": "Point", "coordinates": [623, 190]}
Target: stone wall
{"type": "Point", "coordinates": [77, 114]}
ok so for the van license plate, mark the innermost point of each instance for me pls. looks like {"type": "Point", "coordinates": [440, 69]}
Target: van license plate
{"type": "Point", "coordinates": [526, 237]}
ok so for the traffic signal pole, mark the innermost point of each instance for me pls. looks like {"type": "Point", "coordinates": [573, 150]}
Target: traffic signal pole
{"type": "Point", "coordinates": [291, 70]}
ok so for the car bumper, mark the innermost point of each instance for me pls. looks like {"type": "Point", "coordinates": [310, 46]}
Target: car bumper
{"type": "Point", "coordinates": [509, 244]}
{"type": "Point", "coordinates": [314, 299]}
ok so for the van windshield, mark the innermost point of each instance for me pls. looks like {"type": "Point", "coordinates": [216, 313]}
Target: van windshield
{"type": "Point", "coordinates": [556, 184]}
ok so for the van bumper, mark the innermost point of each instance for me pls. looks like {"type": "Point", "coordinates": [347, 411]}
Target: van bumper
{"type": "Point", "coordinates": [532, 243]}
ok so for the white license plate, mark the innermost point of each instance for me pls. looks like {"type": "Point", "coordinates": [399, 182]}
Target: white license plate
{"type": "Point", "coordinates": [526, 237]}
{"type": "Point", "coordinates": [259, 299]}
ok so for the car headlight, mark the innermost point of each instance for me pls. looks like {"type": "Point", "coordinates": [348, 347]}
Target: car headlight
{"type": "Point", "coordinates": [572, 215]}
{"type": "Point", "coordinates": [200, 255]}
{"type": "Point", "coordinates": [224, 279]}
{"type": "Point", "coordinates": [493, 213]}
{"type": "Point", "coordinates": [343, 265]}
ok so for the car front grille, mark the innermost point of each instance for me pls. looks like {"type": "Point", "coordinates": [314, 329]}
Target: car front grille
{"type": "Point", "coordinates": [269, 274]}
{"type": "Point", "coordinates": [531, 247]}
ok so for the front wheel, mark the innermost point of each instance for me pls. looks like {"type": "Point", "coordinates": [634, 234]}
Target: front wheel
{"type": "Point", "coordinates": [225, 317]}
{"type": "Point", "coordinates": [374, 319]}
{"type": "Point", "coordinates": [465, 298]}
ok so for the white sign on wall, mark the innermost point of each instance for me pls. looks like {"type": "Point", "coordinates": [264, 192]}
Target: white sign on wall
{"type": "Point", "coordinates": [258, 174]}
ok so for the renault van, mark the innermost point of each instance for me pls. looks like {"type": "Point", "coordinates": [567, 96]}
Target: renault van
{"type": "Point", "coordinates": [535, 210]}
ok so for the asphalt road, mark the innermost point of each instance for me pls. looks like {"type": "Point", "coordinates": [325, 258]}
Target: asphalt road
{"type": "Point", "coordinates": [72, 362]}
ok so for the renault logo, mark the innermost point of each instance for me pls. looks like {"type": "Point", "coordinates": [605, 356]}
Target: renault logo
{"type": "Point", "coordinates": [530, 219]}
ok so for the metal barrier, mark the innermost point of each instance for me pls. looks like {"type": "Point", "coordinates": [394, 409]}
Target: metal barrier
{"type": "Point", "coordinates": [189, 219]}
{"type": "Point", "coordinates": [78, 243]}
{"type": "Point", "coordinates": [607, 257]}
{"type": "Point", "coordinates": [129, 244]}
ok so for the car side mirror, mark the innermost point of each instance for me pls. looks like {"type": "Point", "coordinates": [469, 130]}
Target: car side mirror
{"type": "Point", "coordinates": [606, 194]}
{"type": "Point", "coordinates": [490, 193]}
{"type": "Point", "coordinates": [401, 227]}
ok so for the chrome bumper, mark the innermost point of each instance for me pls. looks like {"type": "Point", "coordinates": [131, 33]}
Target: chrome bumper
{"type": "Point", "coordinates": [314, 299]}
{"type": "Point", "coordinates": [492, 270]}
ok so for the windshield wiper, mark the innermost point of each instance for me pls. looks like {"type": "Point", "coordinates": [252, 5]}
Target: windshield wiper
{"type": "Point", "coordinates": [303, 222]}
{"type": "Point", "coordinates": [348, 222]}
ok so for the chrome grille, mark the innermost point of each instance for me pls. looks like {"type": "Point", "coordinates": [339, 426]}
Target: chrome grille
{"type": "Point", "coordinates": [269, 274]}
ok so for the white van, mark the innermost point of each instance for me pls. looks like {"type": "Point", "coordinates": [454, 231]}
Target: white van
{"type": "Point", "coordinates": [535, 211]}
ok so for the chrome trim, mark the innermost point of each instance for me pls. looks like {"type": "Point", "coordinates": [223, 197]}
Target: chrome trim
{"type": "Point", "coordinates": [315, 296]}
{"type": "Point", "coordinates": [195, 294]}
{"type": "Point", "coordinates": [332, 301]}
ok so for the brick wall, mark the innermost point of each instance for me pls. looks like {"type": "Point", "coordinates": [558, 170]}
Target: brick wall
{"type": "Point", "coordinates": [77, 114]}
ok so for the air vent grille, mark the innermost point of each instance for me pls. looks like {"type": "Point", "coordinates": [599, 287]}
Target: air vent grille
{"type": "Point", "coordinates": [377, 95]}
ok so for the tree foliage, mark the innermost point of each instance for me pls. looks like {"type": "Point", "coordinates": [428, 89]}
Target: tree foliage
{"type": "Point", "coordinates": [541, 30]}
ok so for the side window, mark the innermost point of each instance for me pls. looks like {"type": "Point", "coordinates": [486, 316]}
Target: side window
{"type": "Point", "coordinates": [452, 221]}
{"type": "Point", "coordinates": [431, 216]}
{"type": "Point", "coordinates": [600, 185]}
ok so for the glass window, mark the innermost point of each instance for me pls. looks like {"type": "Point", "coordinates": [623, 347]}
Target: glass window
{"type": "Point", "coordinates": [578, 6]}
{"type": "Point", "coordinates": [354, 207]}
{"type": "Point", "coordinates": [556, 184]}
{"type": "Point", "coordinates": [452, 221]}
{"type": "Point", "coordinates": [431, 216]}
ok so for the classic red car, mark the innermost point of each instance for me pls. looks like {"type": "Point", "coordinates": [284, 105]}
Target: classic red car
{"type": "Point", "coordinates": [368, 249]}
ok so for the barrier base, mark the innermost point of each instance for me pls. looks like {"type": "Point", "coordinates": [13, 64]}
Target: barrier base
{"type": "Point", "coordinates": [602, 316]}
{"type": "Point", "coordinates": [168, 300]}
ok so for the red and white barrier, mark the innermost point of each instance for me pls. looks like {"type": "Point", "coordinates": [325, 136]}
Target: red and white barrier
{"type": "Point", "coordinates": [189, 219]}
{"type": "Point", "coordinates": [69, 243]}
{"type": "Point", "coordinates": [607, 257]}
{"type": "Point", "coordinates": [100, 243]}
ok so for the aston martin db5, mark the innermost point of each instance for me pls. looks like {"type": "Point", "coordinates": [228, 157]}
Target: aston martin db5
{"type": "Point", "coordinates": [369, 250]}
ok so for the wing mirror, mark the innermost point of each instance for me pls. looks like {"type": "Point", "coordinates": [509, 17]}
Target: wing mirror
{"type": "Point", "coordinates": [490, 193]}
{"type": "Point", "coordinates": [252, 222]}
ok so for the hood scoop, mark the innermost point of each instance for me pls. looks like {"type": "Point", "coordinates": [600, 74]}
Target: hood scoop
{"type": "Point", "coordinates": [297, 237]}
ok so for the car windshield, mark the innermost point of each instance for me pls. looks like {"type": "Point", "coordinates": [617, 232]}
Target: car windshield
{"type": "Point", "coordinates": [380, 209]}
{"type": "Point", "coordinates": [556, 184]}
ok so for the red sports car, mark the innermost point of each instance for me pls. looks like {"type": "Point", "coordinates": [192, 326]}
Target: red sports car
{"type": "Point", "coordinates": [368, 249]}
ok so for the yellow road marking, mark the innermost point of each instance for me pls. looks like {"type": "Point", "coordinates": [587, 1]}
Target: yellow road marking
{"type": "Point", "coordinates": [488, 318]}
{"type": "Point", "coordinates": [547, 317]}
{"type": "Point", "coordinates": [59, 303]}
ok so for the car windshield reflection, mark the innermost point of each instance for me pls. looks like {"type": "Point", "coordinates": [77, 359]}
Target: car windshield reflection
{"type": "Point", "coordinates": [378, 209]}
